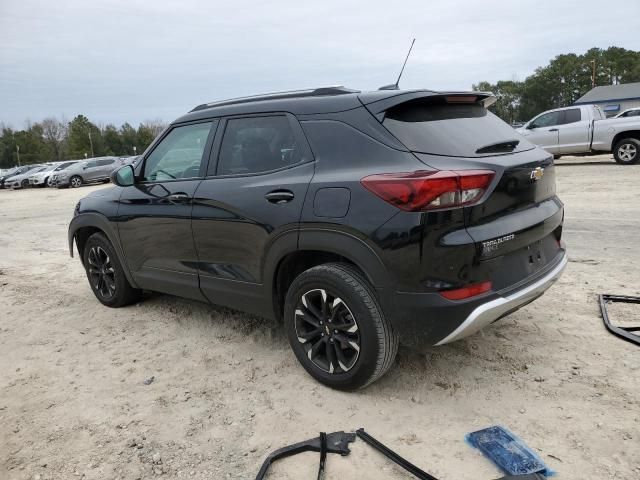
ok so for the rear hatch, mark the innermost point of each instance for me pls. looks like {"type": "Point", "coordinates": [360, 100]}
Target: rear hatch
{"type": "Point", "coordinates": [516, 225]}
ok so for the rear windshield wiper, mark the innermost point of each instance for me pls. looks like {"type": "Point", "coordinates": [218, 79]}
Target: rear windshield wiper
{"type": "Point", "coordinates": [500, 147]}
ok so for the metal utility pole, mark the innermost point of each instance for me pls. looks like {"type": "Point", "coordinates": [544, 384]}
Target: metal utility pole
{"type": "Point", "coordinates": [91, 143]}
{"type": "Point", "coordinates": [18, 153]}
{"type": "Point", "coordinates": [593, 73]}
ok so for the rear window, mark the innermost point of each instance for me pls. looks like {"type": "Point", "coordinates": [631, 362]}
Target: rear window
{"type": "Point", "coordinates": [460, 130]}
{"type": "Point", "coordinates": [572, 115]}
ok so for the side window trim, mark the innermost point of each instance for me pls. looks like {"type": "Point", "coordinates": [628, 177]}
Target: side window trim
{"type": "Point", "coordinates": [214, 159]}
{"type": "Point", "coordinates": [205, 153]}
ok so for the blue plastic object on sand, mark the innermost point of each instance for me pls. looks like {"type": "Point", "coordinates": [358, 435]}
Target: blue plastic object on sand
{"type": "Point", "coordinates": [507, 451]}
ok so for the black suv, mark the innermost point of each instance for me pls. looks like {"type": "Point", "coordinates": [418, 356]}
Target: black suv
{"type": "Point", "coordinates": [360, 219]}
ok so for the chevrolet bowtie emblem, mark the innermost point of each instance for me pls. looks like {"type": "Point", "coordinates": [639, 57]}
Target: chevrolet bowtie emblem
{"type": "Point", "coordinates": [536, 174]}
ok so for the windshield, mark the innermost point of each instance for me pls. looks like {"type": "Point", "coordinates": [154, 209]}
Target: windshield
{"type": "Point", "coordinates": [453, 129]}
{"type": "Point", "coordinates": [64, 165]}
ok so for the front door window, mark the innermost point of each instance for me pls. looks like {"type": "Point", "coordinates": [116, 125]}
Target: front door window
{"type": "Point", "coordinates": [178, 155]}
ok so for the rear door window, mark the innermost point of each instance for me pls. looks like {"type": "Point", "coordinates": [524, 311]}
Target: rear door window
{"type": "Point", "coordinates": [257, 144]}
{"type": "Point", "coordinates": [572, 115]}
{"type": "Point", "coordinates": [461, 130]}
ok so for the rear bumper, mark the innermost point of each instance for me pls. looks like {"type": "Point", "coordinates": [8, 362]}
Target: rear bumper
{"type": "Point", "coordinates": [491, 311]}
{"type": "Point", "coordinates": [429, 318]}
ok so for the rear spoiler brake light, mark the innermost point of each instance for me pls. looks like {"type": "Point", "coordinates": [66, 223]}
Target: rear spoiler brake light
{"type": "Point", "coordinates": [379, 107]}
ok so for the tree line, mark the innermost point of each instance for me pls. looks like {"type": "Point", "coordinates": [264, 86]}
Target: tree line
{"type": "Point", "coordinates": [53, 139]}
{"type": "Point", "coordinates": [563, 81]}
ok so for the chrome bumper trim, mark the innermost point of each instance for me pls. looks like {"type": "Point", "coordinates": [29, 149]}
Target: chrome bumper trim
{"type": "Point", "coordinates": [491, 311]}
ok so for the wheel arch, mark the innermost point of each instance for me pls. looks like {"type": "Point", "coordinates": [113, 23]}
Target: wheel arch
{"type": "Point", "coordinates": [317, 247]}
{"type": "Point", "coordinates": [626, 134]}
{"type": "Point", "coordinates": [86, 224]}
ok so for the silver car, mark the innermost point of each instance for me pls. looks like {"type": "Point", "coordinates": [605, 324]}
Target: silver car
{"type": "Point", "coordinates": [88, 171]}
{"type": "Point", "coordinates": [40, 178]}
{"type": "Point", "coordinates": [22, 180]}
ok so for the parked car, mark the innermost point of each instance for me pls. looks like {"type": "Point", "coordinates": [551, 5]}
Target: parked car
{"type": "Point", "coordinates": [22, 180]}
{"type": "Point", "coordinates": [630, 112]}
{"type": "Point", "coordinates": [13, 172]}
{"type": "Point", "coordinates": [40, 178]}
{"type": "Point", "coordinates": [6, 174]}
{"type": "Point", "coordinates": [89, 171]}
{"type": "Point", "coordinates": [585, 130]}
{"type": "Point", "coordinates": [360, 219]}
{"type": "Point", "coordinates": [59, 168]}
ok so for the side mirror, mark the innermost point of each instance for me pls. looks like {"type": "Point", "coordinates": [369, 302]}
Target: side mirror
{"type": "Point", "coordinates": [530, 126]}
{"type": "Point", "coordinates": [123, 176]}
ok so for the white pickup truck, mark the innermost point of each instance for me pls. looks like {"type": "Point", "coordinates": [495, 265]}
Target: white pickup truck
{"type": "Point", "coordinates": [583, 130]}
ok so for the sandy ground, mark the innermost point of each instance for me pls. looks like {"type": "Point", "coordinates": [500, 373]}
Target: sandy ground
{"type": "Point", "coordinates": [227, 390]}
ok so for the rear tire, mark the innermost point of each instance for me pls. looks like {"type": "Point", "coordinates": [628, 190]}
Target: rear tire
{"type": "Point", "coordinates": [75, 181]}
{"type": "Point", "coordinates": [627, 151]}
{"type": "Point", "coordinates": [336, 327]}
{"type": "Point", "coordinates": [105, 273]}
{"type": "Point", "coordinates": [24, 184]}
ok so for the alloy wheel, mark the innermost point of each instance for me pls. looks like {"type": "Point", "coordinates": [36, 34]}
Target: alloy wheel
{"type": "Point", "coordinates": [76, 182]}
{"type": "Point", "coordinates": [101, 273]}
{"type": "Point", "coordinates": [328, 331]}
{"type": "Point", "coordinates": [627, 152]}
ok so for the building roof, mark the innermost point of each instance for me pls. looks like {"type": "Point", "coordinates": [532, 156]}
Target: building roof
{"type": "Point", "coordinates": [611, 93]}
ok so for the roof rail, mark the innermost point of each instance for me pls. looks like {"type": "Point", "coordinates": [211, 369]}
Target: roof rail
{"type": "Point", "coordinates": [313, 92]}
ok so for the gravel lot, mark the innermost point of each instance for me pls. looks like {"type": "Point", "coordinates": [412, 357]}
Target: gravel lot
{"type": "Point", "coordinates": [227, 390]}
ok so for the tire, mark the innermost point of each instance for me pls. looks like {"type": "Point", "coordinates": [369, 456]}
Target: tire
{"type": "Point", "coordinates": [105, 273]}
{"type": "Point", "coordinates": [75, 181]}
{"type": "Point", "coordinates": [24, 184]}
{"type": "Point", "coordinates": [352, 305]}
{"type": "Point", "coordinates": [627, 151]}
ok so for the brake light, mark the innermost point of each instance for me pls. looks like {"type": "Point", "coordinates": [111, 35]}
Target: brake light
{"type": "Point", "coordinates": [461, 99]}
{"type": "Point", "coordinates": [427, 190]}
{"type": "Point", "coordinates": [467, 292]}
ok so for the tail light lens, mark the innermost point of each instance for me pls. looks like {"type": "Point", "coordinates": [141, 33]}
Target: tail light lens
{"type": "Point", "coordinates": [467, 292]}
{"type": "Point", "coordinates": [428, 190]}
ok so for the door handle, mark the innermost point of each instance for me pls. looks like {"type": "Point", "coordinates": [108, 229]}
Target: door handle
{"type": "Point", "coordinates": [279, 196]}
{"type": "Point", "coordinates": [553, 129]}
{"type": "Point", "coordinates": [178, 197]}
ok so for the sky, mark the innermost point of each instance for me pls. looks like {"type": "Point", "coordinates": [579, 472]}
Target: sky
{"type": "Point", "coordinates": [122, 61]}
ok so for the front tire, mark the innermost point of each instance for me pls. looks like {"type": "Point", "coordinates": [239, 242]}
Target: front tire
{"type": "Point", "coordinates": [105, 273]}
{"type": "Point", "coordinates": [336, 327]}
{"type": "Point", "coordinates": [627, 151]}
{"type": "Point", "coordinates": [75, 181]}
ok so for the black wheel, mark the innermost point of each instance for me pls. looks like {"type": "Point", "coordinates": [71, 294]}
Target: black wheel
{"type": "Point", "coordinates": [105, 274]}
{"type": "Point", "coordinates": [627, 151]}
{"type": "Point", "coordinates": [75, 181]}
{"type": "Point", "coordinates": [24, 184]}
{"type": "Point", "coordinates": [336, 327]}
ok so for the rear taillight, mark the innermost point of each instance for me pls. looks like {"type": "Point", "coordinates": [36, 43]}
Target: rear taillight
{"type": "Point", "coordinates": [467, 292]}
{"type": "Point", "coordinates": [425, 190]}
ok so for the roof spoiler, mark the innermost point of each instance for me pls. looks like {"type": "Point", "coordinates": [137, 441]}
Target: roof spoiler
{"type": "Point", "coordinates": [378, 106]}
